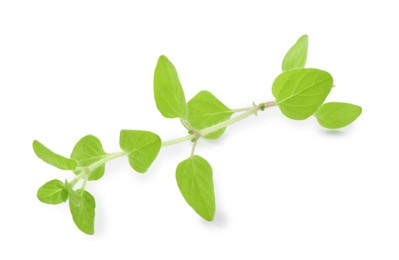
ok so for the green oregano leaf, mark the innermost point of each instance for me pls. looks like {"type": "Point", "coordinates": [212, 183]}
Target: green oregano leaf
{"type": "Point", "coordinates": [300, 92]}
{"type": "Point", "coordinates": [194, 178]}
{"type": "Point", "coordinates": [168, 92]}
{"type": "Point", "coordinates": [88, 151]}
{"type": "Point", "coordinates": [52, 158]}
{"type": "Point", "coordinates": [335, 115]}
{"type": "Point", "coordinates": [83, 213]}
{"type": "Point", "coordinates": [205, 110]}
{"type": "Point", "coordinates": [142, 147]}
{"type": "Point", "coordinates": [52, 192]}
{"type": "Point", "coordinates": [297, 55]}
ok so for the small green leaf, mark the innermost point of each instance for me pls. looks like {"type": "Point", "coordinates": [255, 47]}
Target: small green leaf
{"type": "Point", "coordinates": [84, 213]}
{"type": "Point", "coordinates": [168, 92]}
{"type": "Point", "coordinates": [205, 110]}
{"type": "Point", "coordinates": [88, 151]}
{"type": "Point", "coordinates": [142, 148]}
{"type": "Point", "coordinates": [74, 196]}
{"type": "Point", "coordinates": [300, 92]}
{"type": "Point", "coordinates": [52, 158]}
{"type": "Point", "coordinates": [335, 115]}
{"type": "Point", "coordinates": [297, 55]}
{"type": "Point", "coordinates": [194, 178]}
{"type": "Point", "coordinates": [52, 192]}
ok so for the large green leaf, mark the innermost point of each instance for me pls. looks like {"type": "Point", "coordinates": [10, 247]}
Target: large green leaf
{"type": "Point", "coordinates": [194, 178]}
{"type": "Point", "coordinates": [300, 92]}
{"type": "Point", "coordinates": [83, 213]}
{"type": "Point", "coordinates": [335, 115]}
{"type": "Point", "coordinates": [297, 55]}
{"type": "Point", "coordinates": [88, 151]}
{"type": "Point", "coordinates": [142, 148]}
{"type": "Point", "coordinates": [52, 158]}
{"type": "Point", "coordinates": [168, 92]}
{"type": "Point", "coordinates": [205, 110]}
{"type": "Point", "coordinates": [52, 192]}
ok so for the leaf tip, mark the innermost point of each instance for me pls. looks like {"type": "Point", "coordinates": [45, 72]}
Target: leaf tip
{"type": "Point", "coordinates": [209, 217]}
{"type": "Point", "coordinates": [35, 145]}
{"type": "Point", "coordinates": [162, 58]}
{"type": "Point", "coordinates": [88, 232]}
{"type": "Point", "coordinates": [305, 37]}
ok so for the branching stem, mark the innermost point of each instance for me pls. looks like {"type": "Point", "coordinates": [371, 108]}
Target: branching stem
{"type": "Point", "coordinates": [236, 119]}
{"type": "Point", "coordinates": [84, 172]}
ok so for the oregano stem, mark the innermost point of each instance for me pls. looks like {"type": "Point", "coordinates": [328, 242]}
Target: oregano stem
{"type": "Point", "coordinates": [83, 187]}
{"type": "Point", "coordinates": [87, 170]}
{"type": "Point", "coordinates": [236, 119]}
{"type": "Point", "coordinates": [107, 158]}
{"type": "Point", "coordinates": [177, 140]}
{"type": "Point", "coordinates": [193, 148]}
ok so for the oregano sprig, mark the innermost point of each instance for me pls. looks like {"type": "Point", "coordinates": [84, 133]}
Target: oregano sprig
{"type": "Point", "coordinates": [299, 93]}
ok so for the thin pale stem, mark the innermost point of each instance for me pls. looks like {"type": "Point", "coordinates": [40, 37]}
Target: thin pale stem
{"type": "Point", "coordinates": [83, 187]}
{"type": "Point", "coordinates": [107, 158]}
{"type": "Point", "coordinates": [236, 119]}
{"type": "Point", "coordinates": [177, 140]}
{"type": "Point", "coordinates": [193, 148]}
{"type": "Point", "coordinates": [83, 174]}
{"type": "Point", "coordinates": [87, 170]}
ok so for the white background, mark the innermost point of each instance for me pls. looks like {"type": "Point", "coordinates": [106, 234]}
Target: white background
{"type": "Point", "coordinates": [285, 189]}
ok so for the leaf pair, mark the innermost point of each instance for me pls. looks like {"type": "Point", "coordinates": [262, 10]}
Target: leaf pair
{"type": "Point", "coordinates": [202, 111]}
{"type": "Point", "coordinates": [142, 147]}
{"type": "Point", "coordinates": [300, 92]}
{"type": "Point", "coordinates": [81, 203]}
{"type": "Point", "coordinates": [87, 151]}
{"type": "Point", "coordinates": [193, 175]}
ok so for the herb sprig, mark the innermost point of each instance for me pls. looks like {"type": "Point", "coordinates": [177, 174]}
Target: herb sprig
{"type": "Point", "coordinates": [299, 93]}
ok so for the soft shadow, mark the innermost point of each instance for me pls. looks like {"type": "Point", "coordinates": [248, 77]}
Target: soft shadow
{"type": "Point", "coordinates": [100, 227]}
{"type": "Point", "coordinates": [220, 220]}
{"type": "Point", "coordinates": [118, 165]}
{"type": "Point", "coordinates": [333, 132]}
